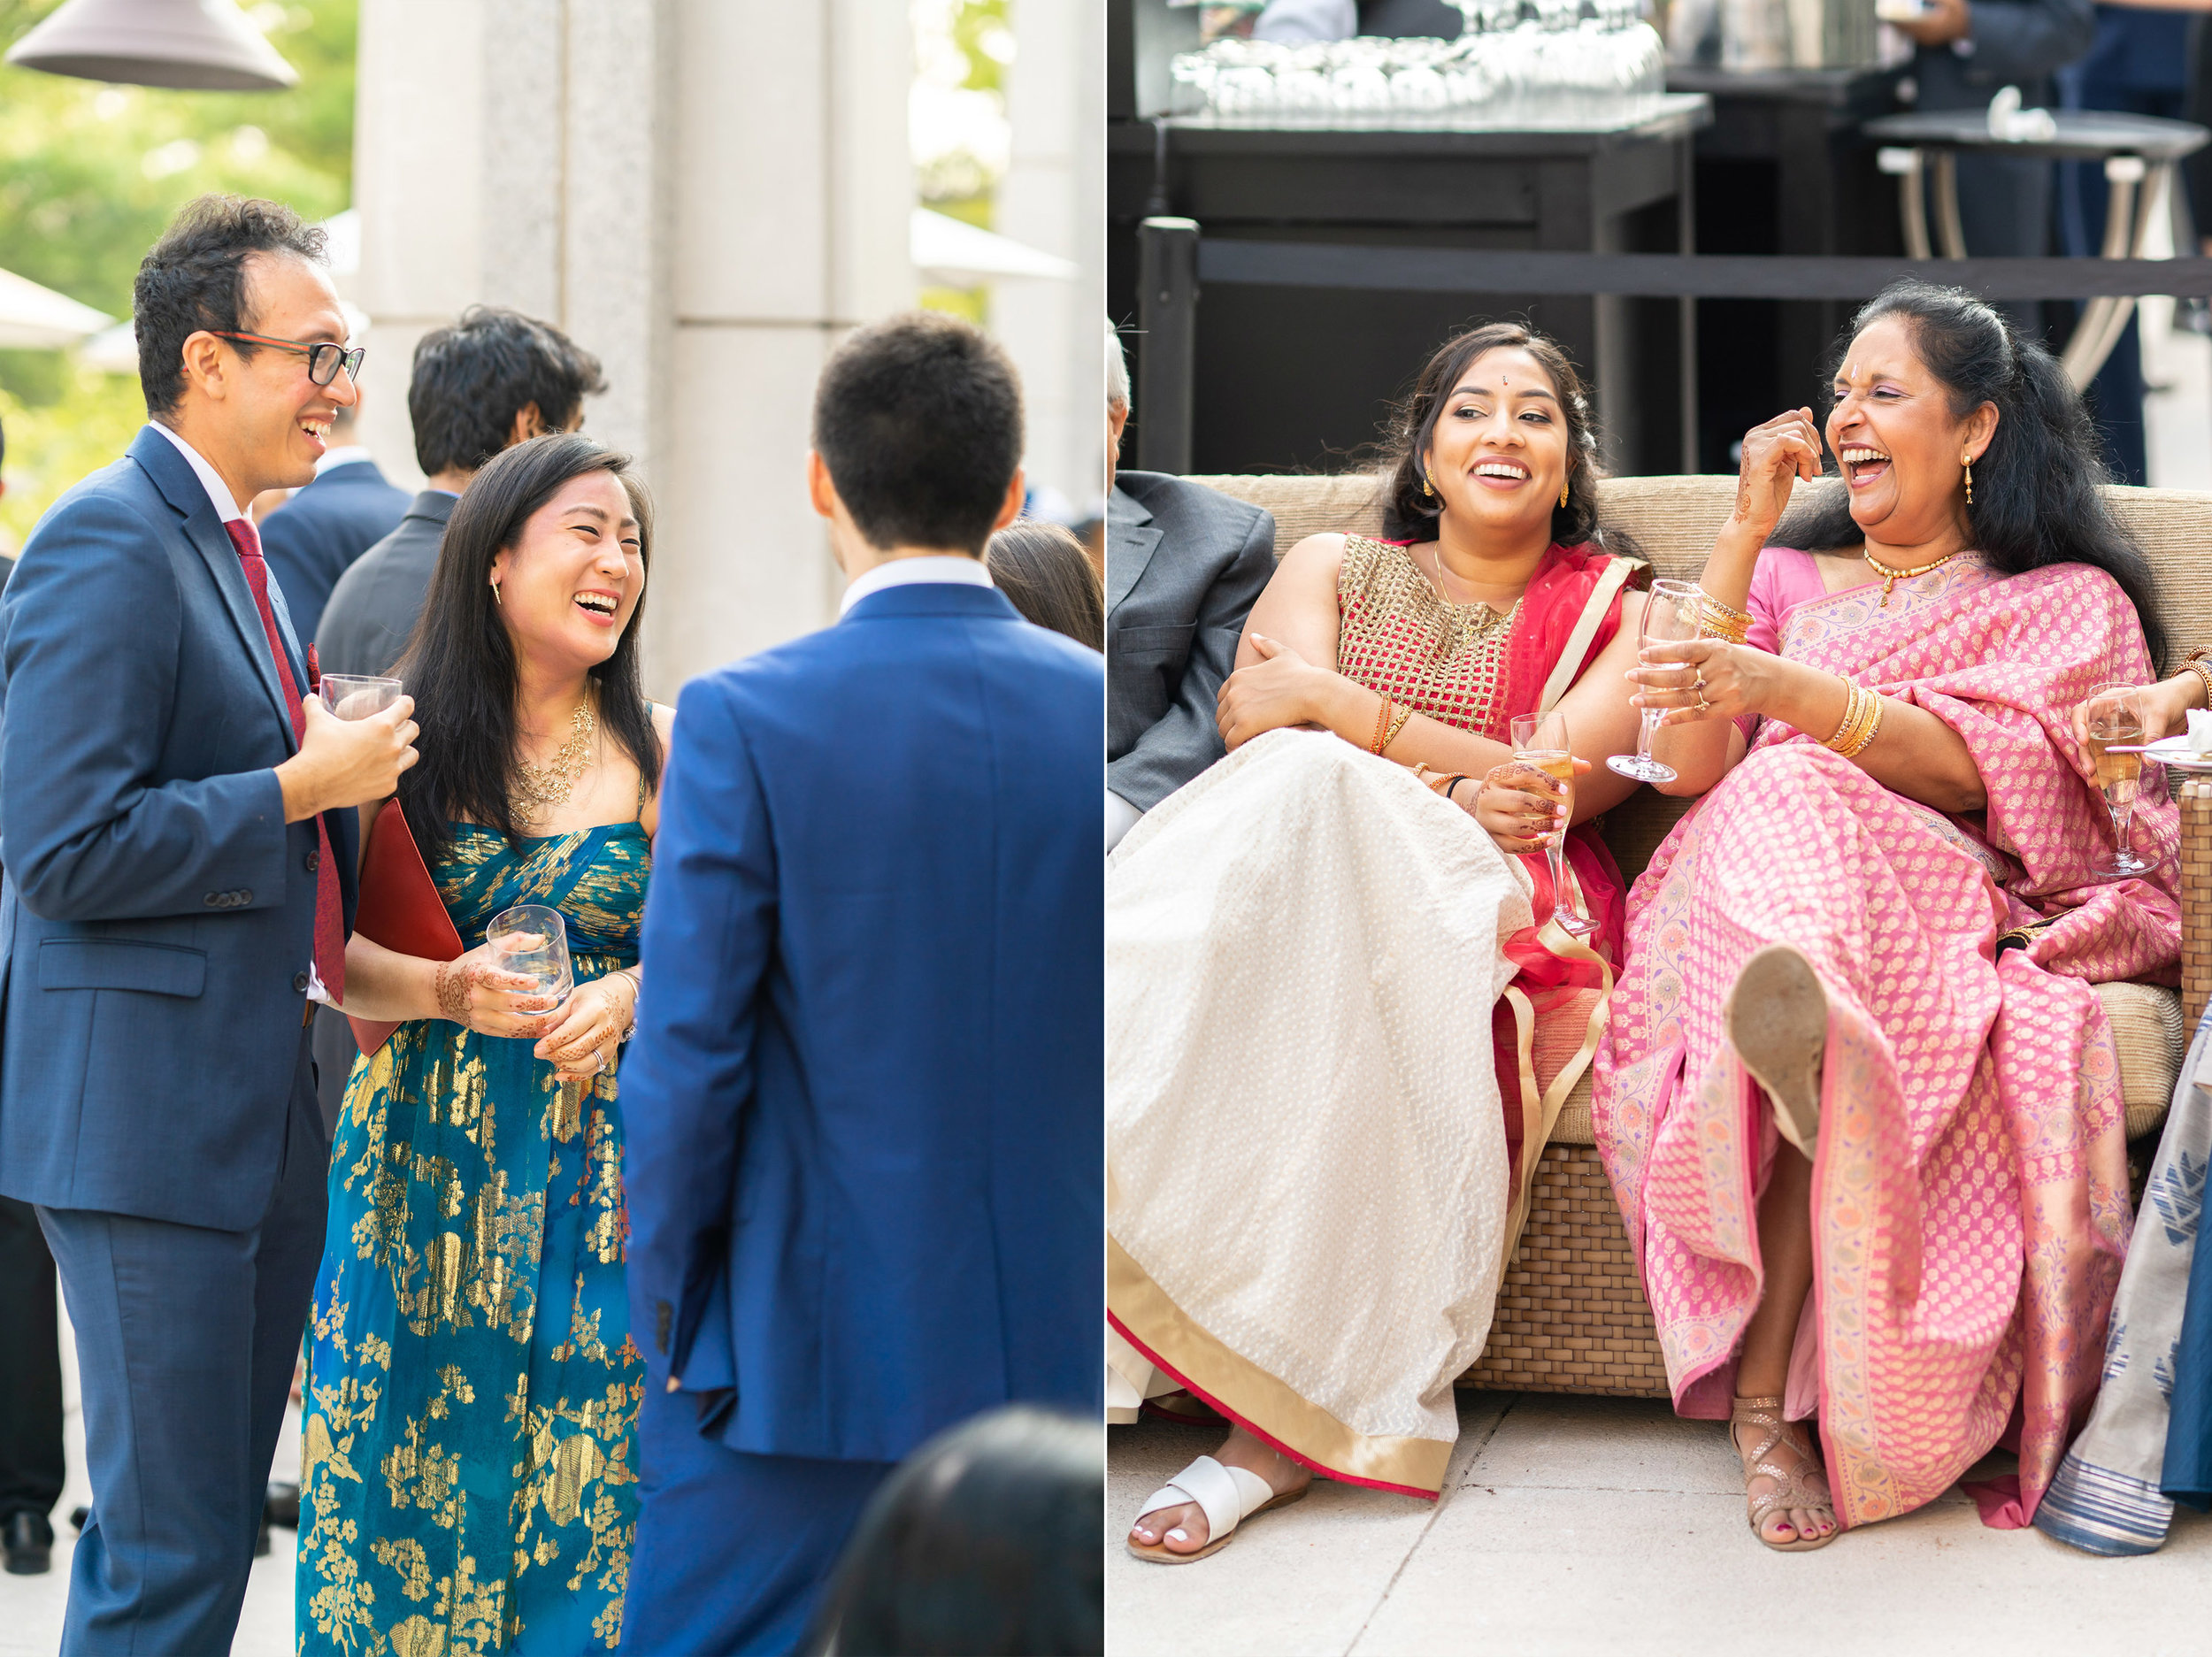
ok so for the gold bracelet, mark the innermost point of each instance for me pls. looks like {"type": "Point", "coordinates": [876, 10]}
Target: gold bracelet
{"type": "Point", "coordinates": [1398, 718]}
{"type": "Point", "coordinates": [1718, 620]}
{"type": "Point", "coordinates": [2197, 664]}
{"type": "Point", "coordinates": [1861, 718]}
{"type": "Point", "coordinates": [1382, 724]}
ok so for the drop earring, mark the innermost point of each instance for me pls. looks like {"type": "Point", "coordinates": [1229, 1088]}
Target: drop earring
{"type": "Point", "coordinates": [1428, 486]}
{"type": "Point", "coordinates": [496, 599]}
{"type": "Point", "coordinates": [1968, 462]}
{"type": "Point", "coordinates": [1563, 492]}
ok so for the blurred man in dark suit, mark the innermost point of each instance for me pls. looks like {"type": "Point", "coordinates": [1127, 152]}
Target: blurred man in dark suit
{"type": "Point", "coordinates": [315, 536]}
{"type": "Point", "coordinates": [491, 380]}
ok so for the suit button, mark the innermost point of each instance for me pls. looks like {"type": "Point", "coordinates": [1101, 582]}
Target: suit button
{"type": "Point", "coordinates": [241, 897]}
{"type": "Point", "coordinates": [214, 899]}
{"type": "Point", "coordinates": [299, 983]}
{"type": "Point", "coordinates": [313, 860]}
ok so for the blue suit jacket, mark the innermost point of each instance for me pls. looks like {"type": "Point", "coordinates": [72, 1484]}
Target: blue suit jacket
{"type": "Point", "coordinates": [862, 1107]}
{"type": "Point", "coordinates": [314, 537]}
{"type": "Point", "coordinates": [158, 914]}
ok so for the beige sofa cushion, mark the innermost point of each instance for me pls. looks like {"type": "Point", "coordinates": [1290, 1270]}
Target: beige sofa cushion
{"type": "Point", "coordinates": [1673, 519]}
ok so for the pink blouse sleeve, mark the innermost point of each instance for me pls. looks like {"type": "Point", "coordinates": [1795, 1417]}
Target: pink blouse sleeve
{"type": "Point", "coordinates": [1783, 579]}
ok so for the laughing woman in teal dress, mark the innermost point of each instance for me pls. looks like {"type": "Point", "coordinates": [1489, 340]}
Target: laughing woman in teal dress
{"type": "Point", "coordinates": [468, 1464]}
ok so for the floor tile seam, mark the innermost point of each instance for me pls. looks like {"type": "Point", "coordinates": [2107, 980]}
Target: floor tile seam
{"type": "Point", "coordinates": [1435, 1513]}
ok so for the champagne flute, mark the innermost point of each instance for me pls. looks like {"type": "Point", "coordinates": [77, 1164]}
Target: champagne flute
{"type": "Point", "coordinates": [1671, 617]}
{"type": "Point", "coordinates": [1539, 740]}
{"type": "Point", "coordinates": [2116, 721]}
{"type": "Point", "coordinates": [531, 941]}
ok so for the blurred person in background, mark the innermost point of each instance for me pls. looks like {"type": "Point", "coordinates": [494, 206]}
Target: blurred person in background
{"type": "Point", "coordinates": [317, 534]}
{"type": "Point", "coordinates": [489, 381]}
{"type": "Point", "coordinates": [2139, 63]}
{"type": "Point", "coordinates": [1962, 55]}
{"type": "Point", "coordinates": [1183, 567]}
{"type": "Point", "coordinates": [1295, 22]}
{"type": "Point", "coordinates": [863, 1186]}
{"type": "Point", "coordinates": [984, 1544]}
{"type": "Point", "coordinates": [1045, 574]}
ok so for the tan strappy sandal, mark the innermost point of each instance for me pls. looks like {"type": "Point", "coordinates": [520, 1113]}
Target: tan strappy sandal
{"type": "Point", "coordinates": [1793, 1486]}
{"type": "Point", "coordinates": [1777, 1021]}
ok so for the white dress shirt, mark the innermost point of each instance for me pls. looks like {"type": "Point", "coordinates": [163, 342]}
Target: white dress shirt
{"type": "Point", "coordinates": [344, 454]}
{"type": "Point", "coordinates": [947, 568]}
{"type": "Point", "coordinates": [226, 509]}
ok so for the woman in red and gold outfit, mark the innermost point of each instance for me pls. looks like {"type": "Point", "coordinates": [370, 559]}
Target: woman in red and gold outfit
{"type": "Point", "coordinates": [1341, 1016]}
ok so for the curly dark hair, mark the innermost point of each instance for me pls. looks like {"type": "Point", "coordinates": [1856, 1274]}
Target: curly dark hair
{"type": "Point", "coordinates": [1409, 515]}
{"type": "Point", "coordinates": [194, 278]}
{"type": "Point", "coordinates": [470, 379]}
{"type": "Point", "coordinates": [2036, 501]}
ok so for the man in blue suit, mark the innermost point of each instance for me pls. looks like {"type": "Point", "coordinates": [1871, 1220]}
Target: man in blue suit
{"type": "Point", "coordinates": [314, 538]}
{"type": "Point", "coordinates": [863, 1163]}
{"type": "Point", "coordinates": [177, 823]}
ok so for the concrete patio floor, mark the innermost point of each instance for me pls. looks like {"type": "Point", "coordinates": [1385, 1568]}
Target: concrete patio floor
{"type": "Point", "coordinates": [1572, 1525]}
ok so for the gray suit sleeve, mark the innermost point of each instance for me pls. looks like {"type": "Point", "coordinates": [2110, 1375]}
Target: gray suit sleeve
{"type": "Point", "coordinates": [2018, 40]}
{"type": "Point", "coordinates": [1186, 740]}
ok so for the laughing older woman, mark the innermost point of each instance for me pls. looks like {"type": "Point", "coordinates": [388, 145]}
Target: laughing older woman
{"type": "Point", "coordinates": [1858, 1100]}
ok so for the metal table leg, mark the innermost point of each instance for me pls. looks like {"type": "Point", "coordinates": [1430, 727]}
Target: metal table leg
{"type": "Point", "coordinates": [1948, 229]}
{"type": "Point", "coordinates": [1912, 205]}
{"type": "Point", "coordinates": [2127, 233]}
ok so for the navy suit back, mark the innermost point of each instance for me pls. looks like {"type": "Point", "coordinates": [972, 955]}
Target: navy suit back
{"type": "Point", "coordinates": [314, 537]}
{"type": "Point", "coordinates": [157, 918]}
{"type": "Point", "coordinates": [864, 1155]}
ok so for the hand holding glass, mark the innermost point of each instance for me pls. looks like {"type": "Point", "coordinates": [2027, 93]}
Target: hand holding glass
{"type": "Point", "coordinates": [1671, 617]}
{"type": "Point", "coordinates": [2115, 722]}
{"type": "Point", "coordinates": [356, 696]}
{"type": "Point", "coordinates": [531, 941]}
{"type": "Point", "coordinates": [1539, 741]}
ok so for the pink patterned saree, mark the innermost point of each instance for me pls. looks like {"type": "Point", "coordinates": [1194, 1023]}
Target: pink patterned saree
{"type": "Point", "coordinates": [1969, 1190]}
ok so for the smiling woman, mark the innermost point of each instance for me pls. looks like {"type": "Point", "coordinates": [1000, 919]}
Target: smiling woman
{"type": "Point", "coordinates": [539, 785]}
{"type": "Point", "coordinates": [1833, 1094]}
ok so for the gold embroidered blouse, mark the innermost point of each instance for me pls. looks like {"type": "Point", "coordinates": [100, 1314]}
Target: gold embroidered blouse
{"type": "Point", "coordinates": [1402, 639]}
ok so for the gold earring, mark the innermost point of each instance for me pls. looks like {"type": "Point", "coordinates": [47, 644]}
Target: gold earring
{"type": "Point", "coordinates": [496, 599]}
{"type": "Point", "coordinates": [1563, 492]}
{"type": "Point", "coordinates": [1428, 484]}
{"type": "Point", "coordinates": [1968, 462]}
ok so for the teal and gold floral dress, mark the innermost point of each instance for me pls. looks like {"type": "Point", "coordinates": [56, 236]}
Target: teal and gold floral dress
{"type": "Point", "coordinates": [468, 1466]}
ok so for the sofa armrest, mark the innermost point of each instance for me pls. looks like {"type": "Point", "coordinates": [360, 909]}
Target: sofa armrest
{"type": "Point", "coordinates": [2196, 899]}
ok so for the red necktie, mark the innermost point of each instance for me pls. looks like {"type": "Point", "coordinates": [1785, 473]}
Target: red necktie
{"type": "Point", "coordinates": [330, 929]}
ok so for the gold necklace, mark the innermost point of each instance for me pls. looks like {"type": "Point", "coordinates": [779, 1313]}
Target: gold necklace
{"type": "Point", "coordinates": [538, 789]}
{"type": "Point", "coordinates": [1468, 630]}
{"type": "Point", "coordinates": [1891, 577]}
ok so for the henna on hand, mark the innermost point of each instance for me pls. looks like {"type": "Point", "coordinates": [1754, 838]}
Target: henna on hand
{"type": "Point", "coordinates": [454, 984]}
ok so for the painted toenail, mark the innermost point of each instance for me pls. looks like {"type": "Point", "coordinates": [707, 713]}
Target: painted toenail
{"type": "Point", "coordinates": [1179, 1535]}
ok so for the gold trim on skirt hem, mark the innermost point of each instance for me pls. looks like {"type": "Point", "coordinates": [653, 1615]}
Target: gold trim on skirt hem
{"type": "Point", "coordinates": [1266, 1404]}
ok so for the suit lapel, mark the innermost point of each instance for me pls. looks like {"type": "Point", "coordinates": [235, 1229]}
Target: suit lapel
{"type": "Point", "coordinates": [1129, 538]}
{"type": "Point", "coordinates": [205, 530]}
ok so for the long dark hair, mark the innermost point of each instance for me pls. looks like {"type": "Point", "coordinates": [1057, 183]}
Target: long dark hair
{"type": "Point", "coordinates": [1409, 515]}
{"type": "Point", "coordinates": [460, 665]}
{"type": "Point", "coordinates": [2036, 501]}
{"type": "Point", "coordinates": [984, 1542]}
{"type": "Point", "coordinates": [1045, 574]}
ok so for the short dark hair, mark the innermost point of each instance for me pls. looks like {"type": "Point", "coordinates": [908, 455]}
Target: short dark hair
{"type": "Point", "coordinates": [918, 418]}
{"type": "Point", "coordinates": [194, 278]}
{"type": "Point", "coordinates": [471, 379]}
{"type": "Point", "coordinates": [1045, 574]}
{"type": "Point", "coordinates": [984, 1542]}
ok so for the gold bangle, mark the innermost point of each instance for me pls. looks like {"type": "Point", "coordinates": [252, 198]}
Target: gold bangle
{"type": "Point", "coordinates": [1728, 610]}
{"type": "Point", "coordinates": [1718, 620]}
{"type": "Point", "coordinates": [1382, 724]}
{"type": "Point", "coordinates": [1398, 718]}
{"type": "Point", "coordinates": [2202, 669]}
{"type": "Point", "coordinates": [1861, 718]}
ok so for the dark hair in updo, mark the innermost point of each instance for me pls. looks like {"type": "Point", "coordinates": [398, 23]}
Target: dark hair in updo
{"type": "Point", "coordinates": [2036, 501]}
{"type": "Point", "coordinates": [1409, 515]}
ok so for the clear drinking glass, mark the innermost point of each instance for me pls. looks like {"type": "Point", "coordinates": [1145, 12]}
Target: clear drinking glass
{"type": "Point", "coordinates": [1671, 617]}
{"type": "Point", "coordinates": [531, 940]}
{"type": "Point", "coordinates": [1540, 740]}
{"type": "Point", "coordinates": [357, 696]}
{"type": "Point", "coordinates": [2116, 720]}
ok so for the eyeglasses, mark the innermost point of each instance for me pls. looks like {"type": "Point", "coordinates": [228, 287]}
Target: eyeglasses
{"type": "Point", "coordinates": [323, 360]}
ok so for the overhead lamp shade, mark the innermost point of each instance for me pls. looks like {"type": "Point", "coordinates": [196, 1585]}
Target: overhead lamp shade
{"type": "Point", "coordinates": [205, 45]}
{"type": "Point", "coordinates": [39, 319]}
{"type": "Point", "coordinates": [948, 247]}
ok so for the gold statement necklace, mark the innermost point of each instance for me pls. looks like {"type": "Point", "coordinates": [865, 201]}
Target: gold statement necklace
{"type": "Point", "coordinates": [540, 788]}
{"type": "Point", "coordinates": [1891, 577]}
{"type": "Point", "coordinates": [1468, 629]}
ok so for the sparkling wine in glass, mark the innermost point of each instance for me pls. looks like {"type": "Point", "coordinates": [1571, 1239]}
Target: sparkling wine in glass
{"type": "Point", "coordinates": [1540, 740]}
{"type": "Point", "coordinates": [531, 941]}
{"type": "Point", "coordinates": [1671, 617]}
{"type": "Point", "coordinates": [2116, 719]}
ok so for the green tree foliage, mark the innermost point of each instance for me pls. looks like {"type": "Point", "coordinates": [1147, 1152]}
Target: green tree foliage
{"type": "Point", "coordinates": [90, 174]}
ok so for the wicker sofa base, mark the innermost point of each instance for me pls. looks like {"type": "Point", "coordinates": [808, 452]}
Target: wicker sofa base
{"type": "Point", "coordinates": [1571, 1316]}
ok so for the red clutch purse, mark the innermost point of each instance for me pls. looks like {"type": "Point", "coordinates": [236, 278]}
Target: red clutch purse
{"type": "Point", "coordinates": [400, 908]}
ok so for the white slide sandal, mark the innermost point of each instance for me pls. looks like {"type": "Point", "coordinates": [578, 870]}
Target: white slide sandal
{"type": "Point", "coordinates": [1226, 1495]}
